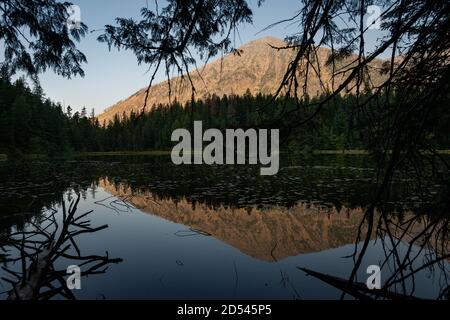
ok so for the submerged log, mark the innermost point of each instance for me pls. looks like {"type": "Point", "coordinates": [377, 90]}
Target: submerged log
{"type": "Point", "coordinates": [357, 289]}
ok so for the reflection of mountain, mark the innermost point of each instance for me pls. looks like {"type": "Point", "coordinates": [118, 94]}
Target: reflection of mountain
{"type": "Point", "coordinates": [269, 234]}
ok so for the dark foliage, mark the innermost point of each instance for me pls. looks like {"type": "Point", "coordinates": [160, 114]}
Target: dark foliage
{"type": "Point", "coordinates": [31, 124]}
{"type": "Point", "coordinates": [35, 37]}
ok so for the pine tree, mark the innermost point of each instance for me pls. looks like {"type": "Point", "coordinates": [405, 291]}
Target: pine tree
{"type": "Point", "coordinates": [69, 112]}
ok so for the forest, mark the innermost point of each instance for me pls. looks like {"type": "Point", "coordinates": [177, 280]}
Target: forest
{"type": "Point", "coordinates": [31, 124]}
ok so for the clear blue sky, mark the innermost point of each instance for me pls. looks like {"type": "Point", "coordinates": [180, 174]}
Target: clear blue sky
{"type": "Point", "coordinates": [113, 76]}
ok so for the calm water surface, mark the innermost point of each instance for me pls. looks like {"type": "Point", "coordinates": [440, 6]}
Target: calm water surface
{"type": "Point", "coordinates": [213, 232]}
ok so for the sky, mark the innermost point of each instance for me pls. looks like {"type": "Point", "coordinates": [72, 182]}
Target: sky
{"type": "Point", "coordinates": [111, 76]}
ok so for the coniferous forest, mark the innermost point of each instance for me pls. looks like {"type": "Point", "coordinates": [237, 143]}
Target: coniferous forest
{"type": "Point", "coordinates": [31, 124]}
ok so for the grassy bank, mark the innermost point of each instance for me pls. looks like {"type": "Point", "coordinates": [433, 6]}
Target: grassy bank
{"type": "Point", "coordinates": [167, 152]}
{"type": "Point", "coordinates": [362, 152]}
{"type": "Point", "coordinates": [125, 153]}
{"type": "Point", "coordinates": [4, 157]}
{"type": "Point", "coordinates": [356, 152]}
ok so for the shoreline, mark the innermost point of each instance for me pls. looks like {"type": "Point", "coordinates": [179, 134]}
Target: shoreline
{"type": "Point", "coordinates": [5, 157]}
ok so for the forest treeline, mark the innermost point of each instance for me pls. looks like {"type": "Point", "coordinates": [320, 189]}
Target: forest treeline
{"type": "Point", "coordinates": [31, 124]}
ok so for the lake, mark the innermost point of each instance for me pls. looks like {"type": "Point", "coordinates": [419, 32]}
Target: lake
{"type": "Point", "coordinates": [205, 232]}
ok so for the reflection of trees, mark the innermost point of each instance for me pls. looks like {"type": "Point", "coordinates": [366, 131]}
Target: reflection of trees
{"type": "Point", "coordinates": [36, 250]}
{"type": "Point", "coordinates": [412, 241]}
{"type": "Point", "coordinates": [431, 239]}
{"type": "Point", "coordinates": [427, 248]}
{"type": "Point", "coordinates": [308, 232]}
{"type": "Point", "coordinates": [273, 233]}
{"type": "Point", "coordinates": [268, 234]}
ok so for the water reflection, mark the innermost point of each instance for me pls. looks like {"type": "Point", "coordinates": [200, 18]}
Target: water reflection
{"type": "Point", "coordinates": [269, 234]}
{"type": "Point", "coordinates": [30, 255]}
{"type": "Point", "coordinates": [200, 232]}
{"type": "Point", "coordinates": [409, 242]}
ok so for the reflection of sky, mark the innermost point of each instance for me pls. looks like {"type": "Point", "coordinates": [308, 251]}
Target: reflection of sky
{"type": "Point", "coordinates": [113, 76]}
{"type": "Point", "coordinates": [159, 264]}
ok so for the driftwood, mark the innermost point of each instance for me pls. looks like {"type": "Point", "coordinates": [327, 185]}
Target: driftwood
{"type": "Point", "coordinates": [40, 248]}
{"type": "Point", "coordinates": [356, 289]}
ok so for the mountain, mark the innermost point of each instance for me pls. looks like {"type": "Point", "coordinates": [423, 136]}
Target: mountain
{"type": "Point", "coordinates": [258, 68]}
